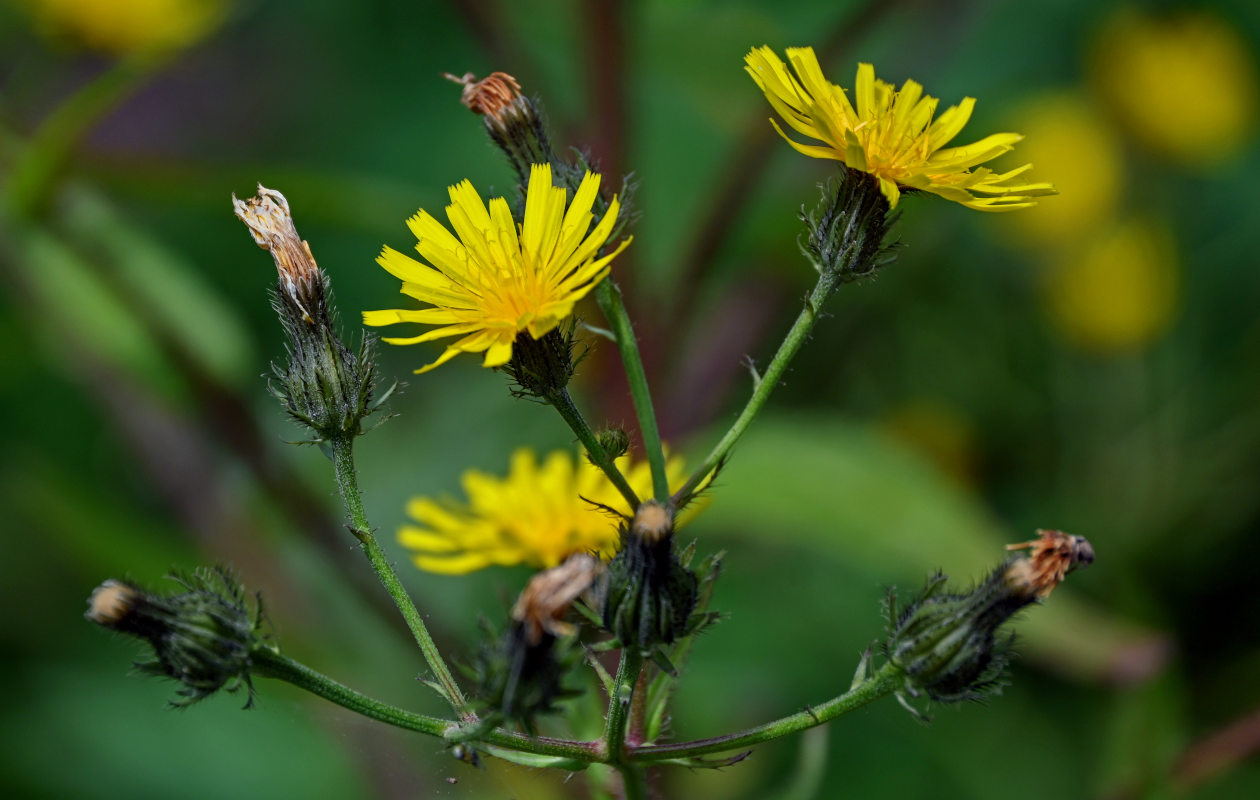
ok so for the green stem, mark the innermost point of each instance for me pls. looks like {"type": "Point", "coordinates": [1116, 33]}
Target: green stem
{"type": "Point", "coordinates": [562, 402]}
{"type": "Point", "coordinates": [792, 343]}
{"type": "Point", "coordinates": [608, 295]}
{"type": "Point", "coordinates": [58, 135]}
{"type": "Point", "coordinates": [269, 664]}
{"type": "Point", "coordinates": [620, 700]}
{"type": "Point", "coordinates": [881, 684]}
{"type": "Point", "coordinates": [348, 483]}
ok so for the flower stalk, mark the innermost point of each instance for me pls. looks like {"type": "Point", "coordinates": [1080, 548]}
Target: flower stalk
{"type": "Point", "coordinates": [348, 485]}
{"type": "Point", "coordinates": [563, 403]}
{"type": "Point", "coordinates": [608, 295]}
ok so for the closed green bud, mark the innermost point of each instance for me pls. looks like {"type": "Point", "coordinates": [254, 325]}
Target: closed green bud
{"type": "Point", "coordinates": [203, 637]}
{"type": "Point", "coordinates": [646, 595]}
{"type": "Point", "coordinates": [615, 441]}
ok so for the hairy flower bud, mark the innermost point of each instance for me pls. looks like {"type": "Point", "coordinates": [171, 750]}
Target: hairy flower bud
{"type": "Point", "coordinates": [948, 644]}
{"type": "Point", "coordinates": [324, 385]}
{"type": "Point", "coordinates": [646, 596]}
{"type": "Point", "coordinates": [202, 637]}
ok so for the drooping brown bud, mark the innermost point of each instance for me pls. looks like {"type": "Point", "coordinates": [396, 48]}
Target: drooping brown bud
{"type": "Point", "coordinates": [1053, 555]}
{"type": "Point", "coordinates": [542, 605]}
{"type": "Point", "coordinates": [489, 96]}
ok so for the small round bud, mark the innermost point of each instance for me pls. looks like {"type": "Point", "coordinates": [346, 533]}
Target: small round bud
{"type": "Point", "coordinates": [615, 441]}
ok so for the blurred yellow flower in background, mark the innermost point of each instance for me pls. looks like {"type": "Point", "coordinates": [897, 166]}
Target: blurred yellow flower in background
{"type": "Point", "coordinates": [538, 515]}
{"type": "Point", "coordinates": [889, 133]}
{"type": "Point", "coordinates": [1068, 139]}
{"type": "Point", "coordinates": [487, 284]}
{"type": "Point", "coordinates": [1118, 292]}
{"type": "Point", "coordinates": [939, 433]}
{"type": "Point", "coordinates": [1184, 86]}
{"type": "Point", "coordinates": [126, 27]}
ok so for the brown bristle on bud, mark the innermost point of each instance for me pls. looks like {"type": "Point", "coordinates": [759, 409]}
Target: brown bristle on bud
{"type": "Point", "coordinates": [488, 96]}
{"type": "Point", "coordinates": [542, 605]}
{"type": "Point", "coordinates": [1051, 557]}
{"type": "Point", "coordinates": [271, 224]}
{"type": "Point", "coordinates": [653, 521]}
{"type": "Point", "coordinates": [111, 602]}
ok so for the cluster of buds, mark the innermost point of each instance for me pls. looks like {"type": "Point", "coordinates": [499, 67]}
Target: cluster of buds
{"type": "Point", "coordinates": [847, 232]}
{"type": "Point", "coordinates": [202, 637]}
{"type": "Point", "coordinates": [948, 644]}
{"type": "Point", "coordinates": [324, 386]}
{"type": "Point", "coordinates": [520, 673]}
{"type": "Point", "coordinates": [646, 596]}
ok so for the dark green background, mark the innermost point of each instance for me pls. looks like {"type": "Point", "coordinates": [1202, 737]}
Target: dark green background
{"type": "Point", "coordinates": [116, 463]}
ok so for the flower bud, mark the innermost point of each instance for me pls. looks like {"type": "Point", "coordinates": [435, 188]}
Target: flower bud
{"type": "Point", "coordinates": [615, 441]}
{"type": "Point", "coordinates": [948, 644]}
{"type": "Point", "coordinates": [324, 385]}
{"type": "Point", "coordinates": [646, 595]}
{"type": "Point", "coordinates": [202, 637]}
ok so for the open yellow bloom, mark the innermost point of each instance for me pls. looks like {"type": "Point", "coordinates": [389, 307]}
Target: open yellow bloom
{"type": "Point", "coordinates": [492, 280]}
{"type": "Point", "coordinates": [539, 515]}
{"type": "Point", "coordinates": [889, 133]}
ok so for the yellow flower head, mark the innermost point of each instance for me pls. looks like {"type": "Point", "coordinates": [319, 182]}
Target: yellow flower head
{"type": "Point", "coordinates": [889, 133]}
{"type": "Point", "coordinates": [126, 27]}
{"type": "Point", "coordinates": [492, 279]}
{"type": "Point", "coordinates": [538, 515]}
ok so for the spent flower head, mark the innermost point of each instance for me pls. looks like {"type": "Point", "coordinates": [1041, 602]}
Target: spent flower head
{"type": "Point", "coordinates": [324, 385]}
{"type": "Point", "coordinates": [493, 279]}
{"type": "Point", "coordinates": [538, 515]}
{"type": "Point", "coordinates": [889, 133]}
{"type": "Point", "coordinates": [202, 637]}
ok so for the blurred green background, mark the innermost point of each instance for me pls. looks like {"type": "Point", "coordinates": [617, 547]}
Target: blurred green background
{"type": "Point", "coordinates": [1088, 365]}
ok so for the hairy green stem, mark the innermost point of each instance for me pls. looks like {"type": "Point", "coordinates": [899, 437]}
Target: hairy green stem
{"type": "Point", "coordinates": [608, 295]}
{"type": "Point", "coordinates": [562, 402]}
{"type": "Point", "coordinates": [269, 664]}
{"type": "Point", "coordinates": [882, 683]}
{"type": "Point", "coordinates": [57, 136]}
{"type": "Point", "coordinates": [766, 384]}
{"type": "Point", "coordinates": [620, 700]}
{"type": "Point", "coordinates": [348, 483]}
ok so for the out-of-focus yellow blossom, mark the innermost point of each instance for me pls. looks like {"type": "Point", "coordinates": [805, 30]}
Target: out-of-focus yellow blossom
{"type": "Point", "coordinates": [889, 133]}
{"type": "Point", "coordinates": [1186, 86]}
{"type": "Point", "coordinates": [492, 279]}
{"type": "Point", "coordinates": [538, 515]}
{"type": "Point", "coordinates": [938, 432]}
{"type": "Point", "coordinates": [1069, 140]}
{"type": "Point", "coordinates": [1118, 292]}
{"type": "Point", "coordinates": [127, 27]}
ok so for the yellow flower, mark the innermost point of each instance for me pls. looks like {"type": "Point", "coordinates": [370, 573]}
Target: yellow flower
{"type": "Point", "coordinates": [1119, 293]}
{"type": "Point", "coordinates": [487, 284]}
{"type": "Point", "coordinates": [1069, 139]}
{"type": "Point", "coordinates": [126, 27]}
{"type": "Point", "coordinates": [1146, 68]}
{"type": "Point", "coordinates": [538, 515]}
{"type": "Point", "coordinates": [889, 133]}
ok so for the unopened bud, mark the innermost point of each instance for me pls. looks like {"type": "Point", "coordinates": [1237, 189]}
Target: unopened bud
{"type": "Point", "coordinates": [646, 596]}
{"type": "Point", "coordinates": [615, 441]}
{"type": "Point", "coordinates": [203, 637]}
